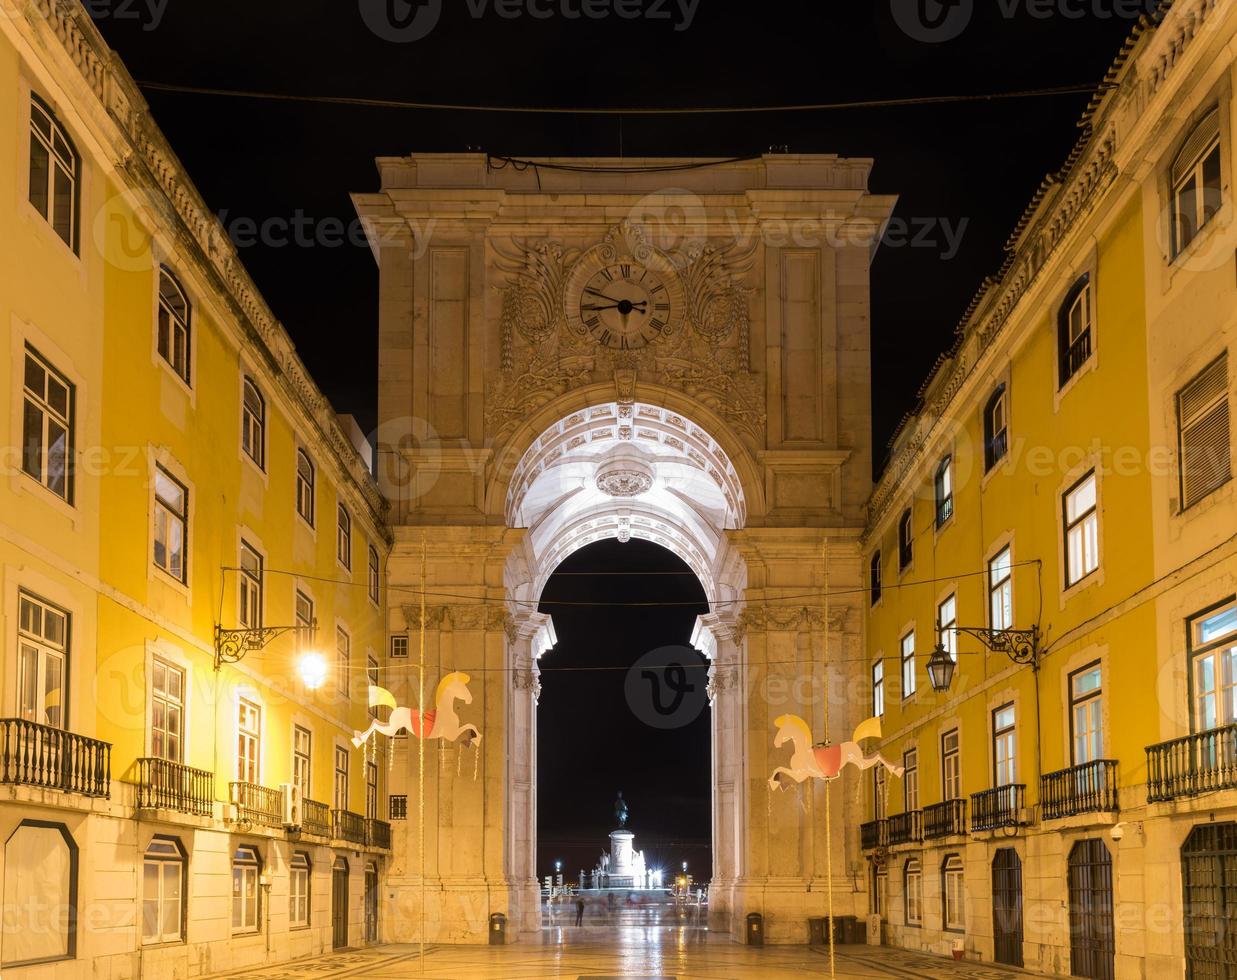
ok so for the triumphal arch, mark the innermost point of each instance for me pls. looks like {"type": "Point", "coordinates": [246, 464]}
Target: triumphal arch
{"type": "Point", "coordinates": [579, 349]}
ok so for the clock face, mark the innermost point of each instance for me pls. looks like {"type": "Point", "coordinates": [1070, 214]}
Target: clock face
{"type": "Point", "coordinates": [625, 306]}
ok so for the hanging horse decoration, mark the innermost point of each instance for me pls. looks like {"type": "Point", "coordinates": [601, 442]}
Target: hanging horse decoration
{"type": "Point", "coordinates": [824, 760]}
{"type": "Point", "coordinates": [441, 722]}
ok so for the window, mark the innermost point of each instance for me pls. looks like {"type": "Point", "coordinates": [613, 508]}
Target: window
{"type": "Point", "coordinates": [253, 424]}
{"type": "Point", "coordinates": [951, 765]}
{"type": "Point", "coordinates": [298, 890]}
{"type": "Point", "coordinates": [953, 892]}
{"type": "Point", "coordinates": [912, 880]}
{"type": "Point", "coordinates": [250, 576]}
{"type": "Point", "coordinates": [248, 742]}
{"type": "Point", "coordinates": [171, 524]}
{"type": "Point", "coordinates": [174, 314]}
{"type": "Point", "coordinates": [944, 491]}
{"type": "Point", "coordinates": [1074, 331]}
{"type": "Point", "coordinates": [879, 901]}
{"type": "Point", "coordinates": [167, 711]}
{"type": "Point", "coordinates": [163, 891]}
{"type": "Point", "coordinates": [302, 756]}
{"type": "Point", "coordinates": [343, 659]}
{"type": "Point", "coordinates": [1082, 530]}
{"type": "Point", "coordinates": [304, 621]}
{"type": "Point", "coordinates": [908, 665]}
{"type": "Point", "coordinates": [343, 538]}
{"type": "Point", "coordinates": [1004, 746]}
{"type": "Point", "coordinates": [246, 868]}
{"type": "Point", "coordinates": [371, 673]}
{"type": "Point", "coordinates": [341, 778]}
{"type": "Point", "coordinates": [43, 650]}
{"type": "Point", "coordinates": [878, 688]}
{"type": "Point", "coordinates": [397, 807]}
{"type": "Point", "coordinates": [399, 647]}
{"type": "Point", "coordinates": [54, 172]}
{"type": "Point", "coordinates": [48, 413]}
{"type": "Point", "coordinates": [874, 577]}
{"type": "Point", "coordinates": [40, 873]}
{"type": "Point", "coordinates": [374, 577]}
{"type": "Point", "coordinates": [906, 540]}
{"type": "Point", "coordinates": [910, 780]}
{"type": "Point", "coordinates": [1213, 658]}
{"type": "Point", "coordinates": [1195, 178]}
{"type": "Point", "coordinates": [1204, 439]}
{"type": "Point", "coordinates": [880, 793]}
{"type": "Point", "coordinates": [946, 620]}
{"type": "Point", "coordinates": [1001, 590]}
{"type": "Point", "coordinates": [305, 486]}
{"type": "Point", "coordinates": [1086, 723]}
{"type": "Point", "coordinates": [996, 428]}
{"type": "Point", "coordinates": [371, 790]}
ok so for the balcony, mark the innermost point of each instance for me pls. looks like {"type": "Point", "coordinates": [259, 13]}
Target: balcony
{"type": "Point", "coordinates": [875, 834]}
{"type": "Point", "coordinates": [349, 826]}
{"type": "Point", "coordinates": [258, 805]}
{"type": "Point", "coordinates": [51, 758]}
{"type": "Point", "coordinates": [315, 818]}
{"type": "Point", "coordinates": [1088, 788]}
{"type": "Point", "coordinates": [378, 834]}
{"type": "Point", "coordinates": [906, 828]}
{"type": "Point", "coordinates": [944, 819]}
{"type": "Point", "coordinates": [164, 785]}
{"type": "Point", "coordinates": [1194, 764]}
{"type": "Point", "coordinates": [999, 807]}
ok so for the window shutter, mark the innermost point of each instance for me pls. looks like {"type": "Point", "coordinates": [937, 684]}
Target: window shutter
{"type": "Point", "coordinates": [1204, 134]}
{"type": "Point", "coordinates": [1206, 445]}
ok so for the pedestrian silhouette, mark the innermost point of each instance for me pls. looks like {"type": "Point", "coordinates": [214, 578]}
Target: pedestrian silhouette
{"type": "Point", "coordinates": [580, 910]}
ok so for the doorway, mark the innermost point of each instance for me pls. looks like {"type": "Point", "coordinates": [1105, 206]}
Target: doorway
{"type": "Point", "coordinates": [339, 903]}
{"type": "Point", "coordinates": [1007, 907]}
{"type": "Point", "coordinates": [1092, 947]}
{"type": "Point", "coordinates": [371, 903]}
{"type": "Point", "coordinates": [1209, 881]}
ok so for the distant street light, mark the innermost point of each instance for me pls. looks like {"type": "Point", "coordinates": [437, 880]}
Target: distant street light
{"type": "Point", "coordinates": [313, 670]}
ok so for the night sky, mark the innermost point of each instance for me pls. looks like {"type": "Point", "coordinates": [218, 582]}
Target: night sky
{"type": "Point", "coordinates": [968, 166]}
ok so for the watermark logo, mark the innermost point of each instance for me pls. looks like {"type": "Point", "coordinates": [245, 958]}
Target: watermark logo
{"type": "Point", "coordinates": [401, 21]}
{"type": "Point", "coordinates": [667, 688]}
{"type": "Point", "coordinates": [932, 21]}
{"type": "Point", "coordinates": [148, 13]}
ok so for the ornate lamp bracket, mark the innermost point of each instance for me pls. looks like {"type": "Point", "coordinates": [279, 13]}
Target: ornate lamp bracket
{"type": "Point", "coordinates": [1021, 646]}
{"type": "Point", "coordinates": [231, 646]}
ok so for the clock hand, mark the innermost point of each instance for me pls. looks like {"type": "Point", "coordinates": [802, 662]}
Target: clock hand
{"type": "Point", "coordinates": [599, 295]}
{"type": "Point", "coordinates": [596, 308]}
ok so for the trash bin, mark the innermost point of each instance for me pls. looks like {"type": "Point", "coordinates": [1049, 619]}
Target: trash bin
{"type": "Point", "coordinates": [755, 929]}
{"type": "Point", "coordinates": [498, 929]}
{"type": "Point", "coordinates": [845, 930]}
{"type": "Point", "coordinates": [816, 932]}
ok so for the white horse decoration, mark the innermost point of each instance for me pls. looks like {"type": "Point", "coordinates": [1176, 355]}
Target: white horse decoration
{"type": "Point", "coordinates": [823, 761]}
{"type": "Point", "coordinates": [442, 722]}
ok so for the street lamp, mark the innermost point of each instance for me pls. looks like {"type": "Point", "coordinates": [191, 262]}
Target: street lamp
{"type": "Point", "coordinates": [231, 646]}
{"type": "Point", "coordinates": [1021, 646]}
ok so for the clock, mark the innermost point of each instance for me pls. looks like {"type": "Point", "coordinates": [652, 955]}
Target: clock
{"type": "Point", "coordinates": [626, 305]}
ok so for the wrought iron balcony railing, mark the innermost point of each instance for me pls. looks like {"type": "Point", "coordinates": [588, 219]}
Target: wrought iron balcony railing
{"type": "Point", "coordinates": [349, 826]}
{"type": "Point", "coordinates": [874, 834]}
{"type": "Point", "coordinates": [51, 758]}
{"type": "Point", "coordinates": [315, 818]}
{"type": "Point", "coordinates": [259, 805]}
{"type": "Point", "coordinates": [378, 833]}
{"type": "Point", "coordinates": [999, 807]}
{"type": "Point", "coordinates": [1193, 764]}
{"type": "Point", "coordinates": [1087, 788]}
{"type": "Point", "coordinates": [944, 819]}
{"type": "Point", "coordinates": [906, 828]}
{"type": "Point", "coordinates": [164, 785]}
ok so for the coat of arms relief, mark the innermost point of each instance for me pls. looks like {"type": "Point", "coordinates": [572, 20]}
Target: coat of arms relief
{"type": "Point", "coordinates": [623, 308]}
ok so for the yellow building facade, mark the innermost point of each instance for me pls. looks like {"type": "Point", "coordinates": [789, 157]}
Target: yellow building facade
{"type": "Point", "coordinates": [1058, 517]}
{"type": "Point", "coordinates": [184, 521]}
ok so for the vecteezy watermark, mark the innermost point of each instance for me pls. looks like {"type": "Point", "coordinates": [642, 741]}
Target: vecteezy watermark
{"type": "Point", "coordinates": [405, 21]}
{"type": "Point", "coordinates": [148, 13]}
{"type": "Point", "coordinates": [936, 21]}
{"type": "Point", "coordinates": [302, 230]}
{"type": "Point", "coordinates": [667, 687]}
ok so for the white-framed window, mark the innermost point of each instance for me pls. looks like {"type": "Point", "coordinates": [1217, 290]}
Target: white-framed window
{"type": "Point", "coordinates": [167, 711]}
{"type": "Point", "coordinates": [173, 324]}
{"type": "Point", "coordinates": [371, 674]}
{"type": "Point", "coordinates": [1195, 177]}
{"type": "Point", "coordinates": [306, 476]}
{"type": "Point", "coordinates": [996, 427]}
{"type": "Point", "coordinates": [1213, 666]}
{"type": "Point", "coordinates": [304, 612]}
{"type": "Point", "coordinates": [906, 539]}
{"type": "Point", "coordinates": [253, 424]}
{"type": "Point", "coordinates": [1204, 436]}
{"type": "Point", "coordinates": [909, 674]}
{"type": "Point", "coordinates": [371, 790]}
{"type": "Point", "coordinates": [163, 891]}
{"type": "Point", "coordinates": [375, 576]}
{"type": "Point", "coordinates": [912, 881]}
{"type": "Point", "coordinates": [171, 525]}
{"type": "Point", "coordinates": [299, 869]}
{"type": "Point", "coordinates": [1004, 746]}
{"type": "Point", "coordinates": [953, 890]}
{"type": "Point", "coordinates": [1086, 699]}
{"type": "Point", "coordinates": [246, 870]}
{"type": "Point", "coordinates": [343, 659]}
{"type": "Point", "coordinates": [55, 172]}
{"type": "Point", "coordinates": [946, 621]}
{"type": "Point", "coordinates": [48, 416]}
{"type": "Point", "coordinates": [248, 742]}
{"type": "Point", "coordinates": [951, 765]}
{"type": "Point", "coordinates": [302, 760]}
{"type": "Point", "coordinates": [42, 660]}
{"type": "Point", "coordinates": [880, 793]}
{"type": "Point", "coordinates": [249, 577]}
{"type": "Point", "coordinates": [878, 688]}
{"type": "Point", "coordinates": [399, 646]}
{"type": "Point", "coordinates": [343, 537]}
{"type": "Point", "coordinates": [910, 780]}
{"type": "Point", "coordinates": [1074, 333]}
{"type": "Point", "coordinates": [1001, 590]}
{"type": "Point", "coordinates": [878, 904]}
{"type": "Point", "coordinates": [1082, 530]}
{"type": "Point", "coordinates": [340, 798]}
{"type": "Point", "coordinates": [944, 485]}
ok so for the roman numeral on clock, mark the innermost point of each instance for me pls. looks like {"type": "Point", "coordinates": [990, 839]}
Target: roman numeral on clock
{"type": "Point", "coordinates": [658, 325]}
